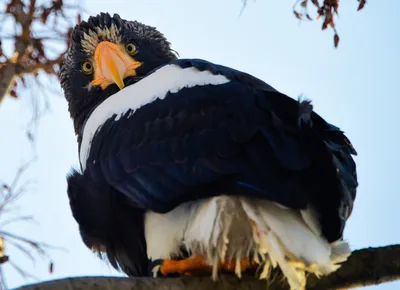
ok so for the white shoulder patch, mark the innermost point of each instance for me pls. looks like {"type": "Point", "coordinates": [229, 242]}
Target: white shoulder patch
{"type": "Point", "coordinates": [170, 78]}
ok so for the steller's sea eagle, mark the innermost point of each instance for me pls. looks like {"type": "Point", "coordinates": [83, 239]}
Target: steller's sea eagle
{"type": "Point", "coordinates": [190, 167]}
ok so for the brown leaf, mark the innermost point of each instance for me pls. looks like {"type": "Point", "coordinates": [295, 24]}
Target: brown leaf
{"type": "Point", "coordinates": [362, 4]}
{"type": "Point", "coordinates": [304, 3]}
{"type": "Point", "coordinates": [321, 12]}
{"type": "Point", "coordinates": [328, 20]}
{"type": "Point", "coordinates": [51, 267]}
{"type": "Point", "coordinates": [328, 17]}
{"type": "Point", "coordinates": [45, 15]}
{"type": "Point", "coordinates": [3, 259]}
{"type": "Point", "coordinates": [336, 6]}
{"type": "Point", "coordinates": [22, 81]}
{"type": "Point", "coordinates": [38, 45]}
{"type": "Point", "coordinates": [297, 14]}
{"type": "Point", "coordinates": [57, 5]}
{"type": "Point", "coordinates": [316, 3]}
{"type": "Point", "coordinates": [13, 94]}
{"type": "Point", "coordinates": [336, 40]}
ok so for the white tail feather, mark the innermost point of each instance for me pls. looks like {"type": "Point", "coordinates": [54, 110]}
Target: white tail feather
{"type": "Point", "coordinates": [234, 227]}
{"type": "Point", "coordinates": [209, 229]}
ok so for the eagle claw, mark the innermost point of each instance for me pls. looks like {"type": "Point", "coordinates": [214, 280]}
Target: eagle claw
{"type": "Point", "coordinates": [194, 266]}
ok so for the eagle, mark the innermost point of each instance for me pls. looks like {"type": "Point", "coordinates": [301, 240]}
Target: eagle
{"type": "Point", "coordinates": [189, 167]}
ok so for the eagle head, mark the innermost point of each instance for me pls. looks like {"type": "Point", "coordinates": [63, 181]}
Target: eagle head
{"type": "Point", "coordinates": [107, 53]}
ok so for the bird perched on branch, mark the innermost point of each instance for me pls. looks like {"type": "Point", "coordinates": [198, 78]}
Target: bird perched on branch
{"type": "Point", "coordinates": [190, 167]}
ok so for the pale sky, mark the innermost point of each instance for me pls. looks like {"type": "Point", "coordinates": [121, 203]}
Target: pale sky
{"type": "Point", "coordinates": [354, 87]}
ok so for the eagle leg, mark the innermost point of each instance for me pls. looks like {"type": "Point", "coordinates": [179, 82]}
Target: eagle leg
{"type": "Point", "coordinates": [194, 265]}
{"type": "Point", "coordinates": [197, 266]}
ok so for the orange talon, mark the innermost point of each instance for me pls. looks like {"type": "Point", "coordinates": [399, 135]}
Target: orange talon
{"type": "Point", "coordinates": [244, 265]}
{"type": "Point", "coordinates": [196, 265]}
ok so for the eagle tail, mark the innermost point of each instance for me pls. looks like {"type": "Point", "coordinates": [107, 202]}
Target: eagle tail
{"type": "Point", "coordinates": [235, 228]}
{"type": "Point", "coordinates": [292, 240]}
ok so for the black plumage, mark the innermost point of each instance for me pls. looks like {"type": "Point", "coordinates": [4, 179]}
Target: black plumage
{"type": "Point", "coordinates": [242, 137]}
{"type": "Point", "coordinates": [237, 138]}
{"type": "Point", "coordinates": [122, 237]}
{"type": "Point", "coordinates": [107, 224]}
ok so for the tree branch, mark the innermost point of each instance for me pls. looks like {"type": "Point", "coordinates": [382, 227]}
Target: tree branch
{"type": "Point", "coordinates": [8, 70]}
{"type": "Point", "coordinates": [7, 74]}
{"type": "Point", "coordinates": [365, 267]}
{"type": "Point", "coordinates": [31, 40]}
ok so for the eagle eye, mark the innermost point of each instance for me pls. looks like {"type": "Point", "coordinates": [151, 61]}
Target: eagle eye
{"type": "Point", "coordinates": [131, 48]}
{"type": "Point", "coordinates": [87, 67]}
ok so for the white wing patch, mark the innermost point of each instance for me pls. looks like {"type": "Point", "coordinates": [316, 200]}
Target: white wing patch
{"type": "Point", "coordinates": [170, 78]}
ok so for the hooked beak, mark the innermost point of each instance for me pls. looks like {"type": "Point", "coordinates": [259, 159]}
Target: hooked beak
{"type": "Point", "coordinates": [112, 65]}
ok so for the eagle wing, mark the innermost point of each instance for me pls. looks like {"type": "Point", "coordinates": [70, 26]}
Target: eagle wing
{"type": "Point", "coordinates": [239, 136]}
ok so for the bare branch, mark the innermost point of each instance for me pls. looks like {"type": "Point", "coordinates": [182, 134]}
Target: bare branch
{"type": "Point", "coordinates": [9, 194]}
{"type": "Point", "coordinates": [16, 219]}
{"type": "Point", "coordinates": [8, 70]}
{"type": "Point", "coordinates": [31, 50]}
{"type": "Point", "coordinates": [365, 267]}
{"type": "Point", "coordinates": [35, 26]}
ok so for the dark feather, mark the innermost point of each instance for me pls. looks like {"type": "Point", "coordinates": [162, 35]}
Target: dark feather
{"type": "Point", "coordinates": [239, 138]}
{"type": "Point", "coordinates": [109, 224]}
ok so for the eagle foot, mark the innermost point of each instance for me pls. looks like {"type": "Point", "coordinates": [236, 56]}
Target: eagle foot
{"type": "Point", "coordinates": [197, 266]}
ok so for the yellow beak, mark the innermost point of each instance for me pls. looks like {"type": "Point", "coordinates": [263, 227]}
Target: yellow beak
{"type": "Point", "coordinates": [112, 65]}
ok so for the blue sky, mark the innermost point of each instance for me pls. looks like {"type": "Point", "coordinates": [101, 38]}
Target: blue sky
{"type": "Point", "coordinates": [355, 87]}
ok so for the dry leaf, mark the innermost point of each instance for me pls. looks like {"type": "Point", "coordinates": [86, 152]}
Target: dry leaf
{"type": "Point", "coordinates": [298, 15]}
{"type": "Point", "coordinates": [362, 4]}
{"type": "Point", "coordinates": [336, 40]}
